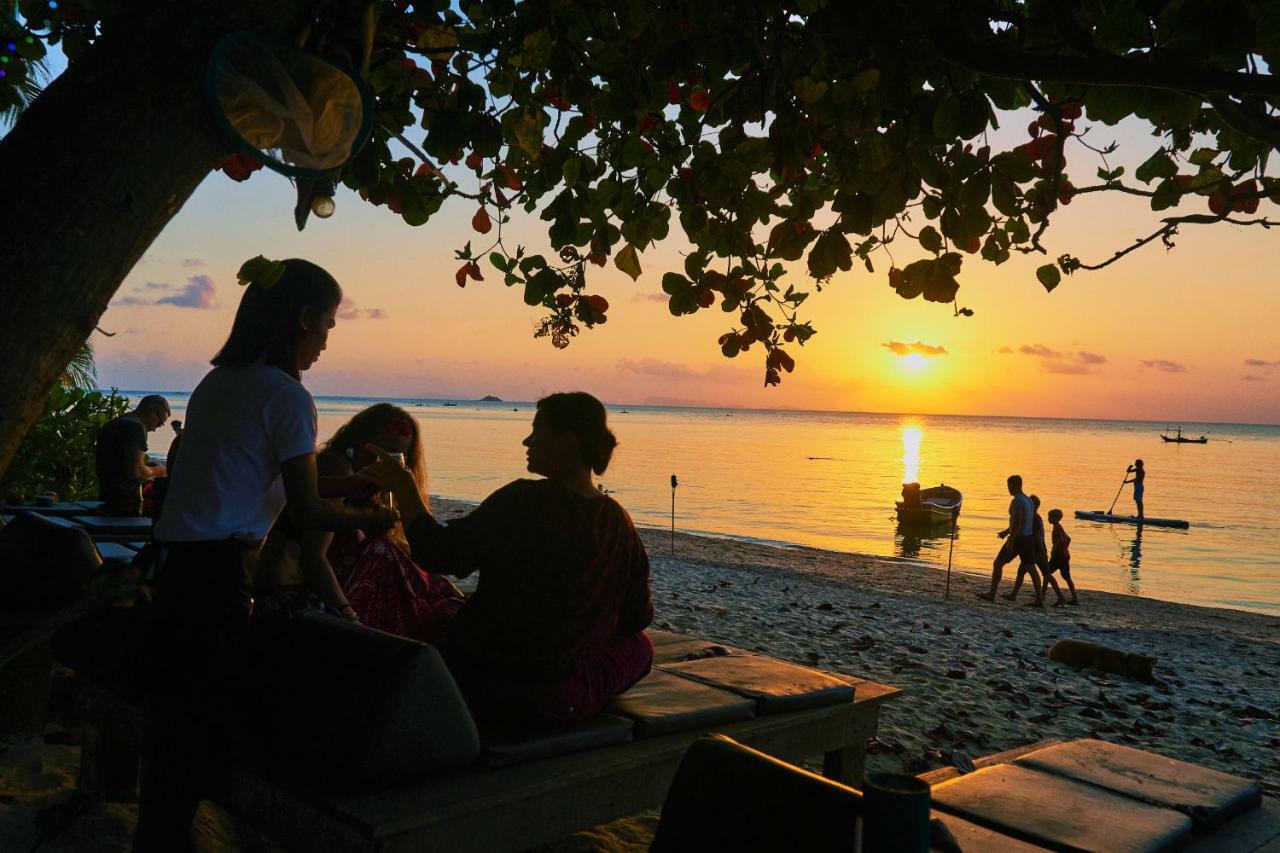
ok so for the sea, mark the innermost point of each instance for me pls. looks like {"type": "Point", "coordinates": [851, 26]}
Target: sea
{"type": "Point", "coordinates": [830, 480]}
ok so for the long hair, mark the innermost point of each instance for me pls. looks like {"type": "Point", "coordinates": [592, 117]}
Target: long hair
{"type": "Point", "coordinates": [579, 413]}
{"type": "Point", "coordinates": [368, 423]}
{"type": "Point", "coordinates": [266, 328]}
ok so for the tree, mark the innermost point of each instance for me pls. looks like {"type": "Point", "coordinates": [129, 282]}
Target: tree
{"type": "Point", "coordinates": [827, 133]}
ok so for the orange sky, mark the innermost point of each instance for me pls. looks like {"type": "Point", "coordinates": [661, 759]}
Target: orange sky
{"type": "Point", "coordinates": [1195, 315]}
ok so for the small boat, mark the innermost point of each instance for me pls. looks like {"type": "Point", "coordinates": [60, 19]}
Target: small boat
{"type": "Point", "coordinates": [1108, 518]}
{"type": "Point", "coordinates": [928, 506]}
{"type": "Point", "coordinates": [1178, 439]}
{"type": "Point", "coordinates": [451, 405]}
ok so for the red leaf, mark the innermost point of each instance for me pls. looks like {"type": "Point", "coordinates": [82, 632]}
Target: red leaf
{"type": "Point", "coordinates": [673, 93]}
{"type": "Point", "coordinates": [461, 275]}
{"type": "Point", "coordinates": [1219, 203]}
{"type": "Point", "coordinates": [481, 221]}
{"type": "Point", "coordinates": [598, 258]}
{"type": "Point", "coordinates": [972, 245]}
{"type": "Point", "coordinates": [474, 160]}
{"type": "Point", "coordinates": [564, 300]}
{"type": "Point", "coordinates": [1033, 129]}
{"type": "Point", "coordinates": [1072, 110]}
{"type": "Point", "coordinates": [510, 179]}
{"type": "Point", "coordinates": [700, 100]}
{"type": "Point", "coordinates": [473, 270]}
{"type": "Point", "coordinates": [706, 298]}
{"type": "Point", "coordinates": [238, 167]}
{"type": "Point", "coordinates": [597, 302]}
{"type": "Point", "coordinates": [895, 277]}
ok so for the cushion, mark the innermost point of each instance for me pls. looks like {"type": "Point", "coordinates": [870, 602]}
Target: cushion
{"type": "Point", "coordinates": [1208, 797]}
{"type": "Point", "coordinates": [776, 686]}
{"type": "Point", "coordinates": [113, 553]}
{"type": "Point", "coordinates": [340, 705]}
{"type": "Point", "coordinates": [659, 638]}
{"type": "Point", "coordinates": [109, 525]}
{"type": "Point", "coordinates": [1059, 813]}
{"type": "Point", "coordinates": [727, 797]}
{"type": "Point", "coordinates": [506, 745]}
{"type": "Point", "coordinates": [689, 649]}
{"type": "Point", "coordinates": [970, 836]}
{"type": "Point", "coordinates": [45, 562]}
{"type": "Point", "coordinates": [662, 703]}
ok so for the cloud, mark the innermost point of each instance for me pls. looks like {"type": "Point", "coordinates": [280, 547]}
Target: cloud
{"type": "Point", "coordinates": [198, 292]}
{"type": "Point", "coordinates": [193, 262]}
{"type": "Point", "coordinates": [1258, 362]}
{"type": "Point", "coordinates": [649, 296]}
{"type": "Point", "coordinates": [917, 348]}
{"type": "Point", "coordinates": [655, 367]}
{"type": "Point", "coordinates": [348, 310]}
{"type": "Point", "coordinates": [1039, 350]}
{"type": "Point", "coordinates": [1164, 364]}
{"type": "Point", "coordinates": [1005, 350]}
{"type": "Point", "coordinates": [1090, 358]}
{"type": "Point", "coordinates": [1253, 377]}
{"type": "Point", "coordinates": [1066, 367]}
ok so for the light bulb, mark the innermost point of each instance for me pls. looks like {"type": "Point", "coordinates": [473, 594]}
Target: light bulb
{"type": "Point", "coordinates": [323, 206]}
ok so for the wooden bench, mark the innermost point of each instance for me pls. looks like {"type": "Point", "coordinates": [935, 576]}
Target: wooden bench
{"type": "Point", "coordinates": [515, 807]}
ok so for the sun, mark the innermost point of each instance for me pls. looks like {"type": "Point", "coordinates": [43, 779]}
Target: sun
{"type": "Point", "coordinates": [913, 362]}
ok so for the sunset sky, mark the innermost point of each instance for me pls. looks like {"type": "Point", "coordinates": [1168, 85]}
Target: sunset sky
{"type": "Point", "coordinates": [1184, 335]}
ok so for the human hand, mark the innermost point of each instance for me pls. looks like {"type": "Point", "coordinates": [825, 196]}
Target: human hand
{"type": "Point", "coordinates": [382, 518]}
{"type": "Point", "coordinates": [1002, 534]}
{"type": "Point", "coordinates": [385, 472]}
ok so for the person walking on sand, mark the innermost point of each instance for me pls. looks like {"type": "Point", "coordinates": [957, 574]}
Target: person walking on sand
{"type": "Point", "coordinates": [1060, 559]}
{"type": "Point", "coordinates": [1019, 542]}
{"type": "Point", "coordinates": [1139, 475]}
{"type": "Point", "coordinates": [1042, 560]}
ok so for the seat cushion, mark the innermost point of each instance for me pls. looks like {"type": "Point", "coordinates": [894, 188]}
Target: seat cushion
{"type": "Point", "coordinates": [690, 649]}
{"type": "Point", "coordinates": [1059, 813]}
{"type": "Point", "coordinates": [1208, 797]}
{"type": "Point", "coordinates": [506, 745]}
{"type": "Point", "coordinates": [45, 562]}
{"type": "Point", "coordinates": [114, 553]}
{"type": "Point", "coordinates": [662, 703]}
{"type": "Point", "coordinates": [776, 686]}
{"type": "Point", "coordinates": [340, 705]}
{"type": "Point", "coordinates": [98, 525]}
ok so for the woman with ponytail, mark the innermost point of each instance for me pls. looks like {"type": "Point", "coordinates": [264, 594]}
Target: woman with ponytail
{"type": "Point", "coordinates": [250, 441]}
{"type": "Point", "coordinates": [555, 628]}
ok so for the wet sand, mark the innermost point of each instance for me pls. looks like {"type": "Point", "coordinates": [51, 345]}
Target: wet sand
{"type": "Point", "coordinates": [974, 674]}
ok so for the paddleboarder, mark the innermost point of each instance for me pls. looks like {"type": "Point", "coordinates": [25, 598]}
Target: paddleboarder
{"type": "Point", "coordinates": [1139, 475]}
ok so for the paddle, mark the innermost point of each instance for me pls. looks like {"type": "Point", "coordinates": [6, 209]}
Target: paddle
{"type": "Point", "coordinates": [1118, 491]}
{"type": "Point", "coordinates": [955, 513]}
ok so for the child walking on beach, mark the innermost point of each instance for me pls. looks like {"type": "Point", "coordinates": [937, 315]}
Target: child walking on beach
{"type": "Point", "coordinates": [1060, 559]}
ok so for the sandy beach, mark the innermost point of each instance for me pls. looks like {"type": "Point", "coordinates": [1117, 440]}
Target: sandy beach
{"type": "Point", "coordinates": [974, 674]}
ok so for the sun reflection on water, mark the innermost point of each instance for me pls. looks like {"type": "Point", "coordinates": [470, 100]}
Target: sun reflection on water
{"type": "Point", "coordinates": [911, 435]}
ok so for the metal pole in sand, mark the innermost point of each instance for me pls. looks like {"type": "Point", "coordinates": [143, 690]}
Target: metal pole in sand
{"type": "Point", "coordinates": [955, 513]}
{"type": "Point", "coordinates": [674, 483]}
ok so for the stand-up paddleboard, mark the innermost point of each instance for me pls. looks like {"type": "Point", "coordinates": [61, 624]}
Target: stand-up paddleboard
{"type": "Point", "coordinates": [1108, 518]}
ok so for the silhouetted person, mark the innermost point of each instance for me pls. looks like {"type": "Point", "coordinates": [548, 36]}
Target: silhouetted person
{"type": "Point", "coordinates": [120, 456]}
{"type": "Point", "coordinates": [1020, 542]}
{"type": "Point", "coordinates": [1139, 475]}
{"type": "Point", "coordinates": [1042, 559]}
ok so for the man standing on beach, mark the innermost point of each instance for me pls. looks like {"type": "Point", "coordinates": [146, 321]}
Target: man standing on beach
{"type": "Point", "coordinates": [121, 456]}
{"type": "Point", "coordinates": [1019, 543]}
{"type": "Point", "coordinates": [1139, 475]}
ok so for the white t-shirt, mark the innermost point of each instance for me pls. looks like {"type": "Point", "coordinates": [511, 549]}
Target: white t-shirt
{"type": "Point", "coordinates": [1028, 514]}
{"type": "Point", "coordinates": [241, 424]}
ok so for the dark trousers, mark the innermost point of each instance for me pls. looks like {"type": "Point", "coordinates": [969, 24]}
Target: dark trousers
{"type": "Point", "coordinates": [198, 655]}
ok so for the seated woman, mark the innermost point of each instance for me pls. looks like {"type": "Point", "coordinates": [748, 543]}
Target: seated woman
{"type": "Point", "coordinates": [555, 628]}
{"type": "Point", "coordinates": [364, 578]}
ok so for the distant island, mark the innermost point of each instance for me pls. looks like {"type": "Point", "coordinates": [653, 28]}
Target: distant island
{"type": "Point", "coordinates": [489, 398]}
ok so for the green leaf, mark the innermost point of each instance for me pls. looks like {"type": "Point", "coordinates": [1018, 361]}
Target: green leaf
{"type": "Point", "coordinates": [673, 283]}
{"type": "Point", "coordinates": [627, 261]}
{"type": "Point", "coordinates": [1049, 276]}
{"type": "Point", "coordinates": [932, 278]}
{"type": "Point", "coordinates": [831, 252]}
{"type": "Point", "coordinates": [1158, 165]}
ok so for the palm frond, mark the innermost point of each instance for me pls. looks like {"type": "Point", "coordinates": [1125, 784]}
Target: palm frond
{"type": "Point", "coordinates": [81, 372]}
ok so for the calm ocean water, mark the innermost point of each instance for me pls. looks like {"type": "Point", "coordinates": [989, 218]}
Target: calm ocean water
{"type": "Point", "coordinates": [830, 480]}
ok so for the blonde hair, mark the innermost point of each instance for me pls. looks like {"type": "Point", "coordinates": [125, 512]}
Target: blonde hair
{"type": "Point", "coordinates": [382, 418]}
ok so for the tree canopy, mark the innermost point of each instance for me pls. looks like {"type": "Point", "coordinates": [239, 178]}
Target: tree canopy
{"type": "Point", "coordinates": [788, 141]}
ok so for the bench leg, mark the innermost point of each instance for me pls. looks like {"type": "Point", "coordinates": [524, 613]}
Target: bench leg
{"type": "Point", "coordinates": [847, 765]}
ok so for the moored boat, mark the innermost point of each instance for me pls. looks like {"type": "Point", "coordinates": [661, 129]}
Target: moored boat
{"type": "Point", "coordinates": [1178, 439]}
{"type": "Point", "coordinates": [928, 506]}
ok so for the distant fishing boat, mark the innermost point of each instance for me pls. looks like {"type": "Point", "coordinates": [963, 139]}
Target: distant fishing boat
{"type": "Point", "coordinates": [1108, 518]}
{"type": "Point", "coordinates": [928, 506]}
{"type": "Point", "coordinates": [449, 404]}
{"type": "Point", "coordinates": [1178, 439]}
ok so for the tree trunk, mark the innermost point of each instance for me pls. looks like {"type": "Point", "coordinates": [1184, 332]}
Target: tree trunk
{"type": "Point", "coordinates": [92, 172]}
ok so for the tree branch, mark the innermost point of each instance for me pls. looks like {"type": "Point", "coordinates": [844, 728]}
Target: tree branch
{"type": "Point", "coordinates": [1165, 231]}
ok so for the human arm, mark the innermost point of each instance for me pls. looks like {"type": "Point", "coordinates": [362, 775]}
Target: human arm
{"type": "Point", "coordinates": [317, 572]}
{"type": "Point", "coordinates": [637, 606]}
{"type": "Point", "coordinates": [309, 511]}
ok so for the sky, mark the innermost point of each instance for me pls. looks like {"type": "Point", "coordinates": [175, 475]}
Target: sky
{"type": "Point", "coordinates": [1184, 335]}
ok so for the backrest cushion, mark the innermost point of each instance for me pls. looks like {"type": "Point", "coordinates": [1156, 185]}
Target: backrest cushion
{"type": "Point", "coordinates": [45, 562]}
{"type": "Point", "coordinates": [342, 706]}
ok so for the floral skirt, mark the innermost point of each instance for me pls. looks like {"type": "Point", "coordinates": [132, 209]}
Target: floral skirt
{"type": "Point", "coordinates": [389, 592]}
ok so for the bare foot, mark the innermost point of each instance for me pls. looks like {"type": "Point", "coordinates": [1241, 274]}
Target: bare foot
{"type": "Point", "coordinates": [1009, 596]}
{"type": "Point", "coordinates": [986, 596]}
{"type": "Point", "coordinates": [1039, 604]}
